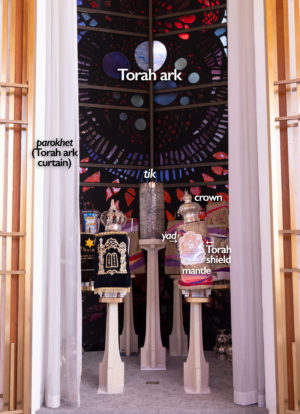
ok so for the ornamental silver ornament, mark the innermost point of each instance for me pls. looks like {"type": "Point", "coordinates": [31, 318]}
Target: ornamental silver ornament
{"type": "Point", "coordinates": [191, 249]}
{"type": "Point", "coordinates": [189, 210]}
{"type": "Point", "coordinates": [113, 219]}
{"type": "Point", "coordinates": [152, 210]}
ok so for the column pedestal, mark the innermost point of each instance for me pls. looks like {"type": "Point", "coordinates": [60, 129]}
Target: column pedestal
{"type": "Point", "coordinates": [178, 340]}
{"type": "Point", "coordinates": [128, 338]}
{"type": "Point", "coordinates": [195, 377]}
{"type": "Point", "coordinates": [111, 368]}
{"type": "Point", "coordinates": [153, 354]}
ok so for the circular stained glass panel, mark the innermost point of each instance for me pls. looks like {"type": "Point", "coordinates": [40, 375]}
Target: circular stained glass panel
{"type": "Point", "coordinates": [137, 100]}
{"type": "Point", "coordinates": [180, 64]}
{"type": "Point", "coordinates": [141, 55]}
{"type": "Point", "coordinates": [140, 124]}
{"type": "Point", "coordinates": [165, 98]}
{"type": "Point", "coordinates": [194, 77]}
{"type": "Point", "coordinates": [185, 100]}
{"type": "Point", "coordinates": [123, 116]}
{"type": "Point", "coordinates": [113, 61]}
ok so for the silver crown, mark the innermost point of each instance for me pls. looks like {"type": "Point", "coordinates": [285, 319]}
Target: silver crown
{"type": "Point", "coordinates": [189, 210]}
{"type": "Point", "coordinates": [113, 219]}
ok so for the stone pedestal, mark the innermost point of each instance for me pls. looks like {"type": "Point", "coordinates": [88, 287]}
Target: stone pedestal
{"type": "Point", "coordinates": [195, 372]}
{"type": "Point", "coordinates": [153, 354]}
{"type": "Point", "coordinates": [128, 338]}
{"type": "Point", "coordinates": [178, 340]}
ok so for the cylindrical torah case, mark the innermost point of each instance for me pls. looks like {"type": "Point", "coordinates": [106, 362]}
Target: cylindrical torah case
{"type": "Point", "coordinates": [152, 210]}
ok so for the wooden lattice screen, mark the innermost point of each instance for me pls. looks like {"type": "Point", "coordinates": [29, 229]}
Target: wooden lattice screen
{"type": "Point", "coordinates": [17, 23]}
{"type": "Point", "coordinates": [283, 37]}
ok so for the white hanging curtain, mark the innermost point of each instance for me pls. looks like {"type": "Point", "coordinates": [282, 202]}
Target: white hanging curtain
{"type": "Point", "coordinates": [61, 229]}
{"type": "Point", "coordinates": [244, 222]}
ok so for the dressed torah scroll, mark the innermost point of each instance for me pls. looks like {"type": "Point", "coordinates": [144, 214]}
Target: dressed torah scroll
{"type": "Point", "coordinates": [193, 252]}
{"type": "Point", "coordinates": [192, 245]}
{"type": "Point", "coordinates": [112, 260]}
{"type": "Point", "coordinates": [112, 251]}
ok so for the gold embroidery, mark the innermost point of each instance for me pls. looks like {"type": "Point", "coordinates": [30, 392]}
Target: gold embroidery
{"type": "Point", "coordinates": [111, 262]}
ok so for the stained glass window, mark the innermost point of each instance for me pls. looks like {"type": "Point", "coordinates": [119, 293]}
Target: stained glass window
{"type": "Point", "coordinates": [189, 124]}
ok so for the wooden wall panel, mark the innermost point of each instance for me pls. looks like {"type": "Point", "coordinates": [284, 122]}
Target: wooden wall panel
{"type": "Point", "coordinates": [282, 23]}
{"type": "Point", "coordinates": [16, 200]}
